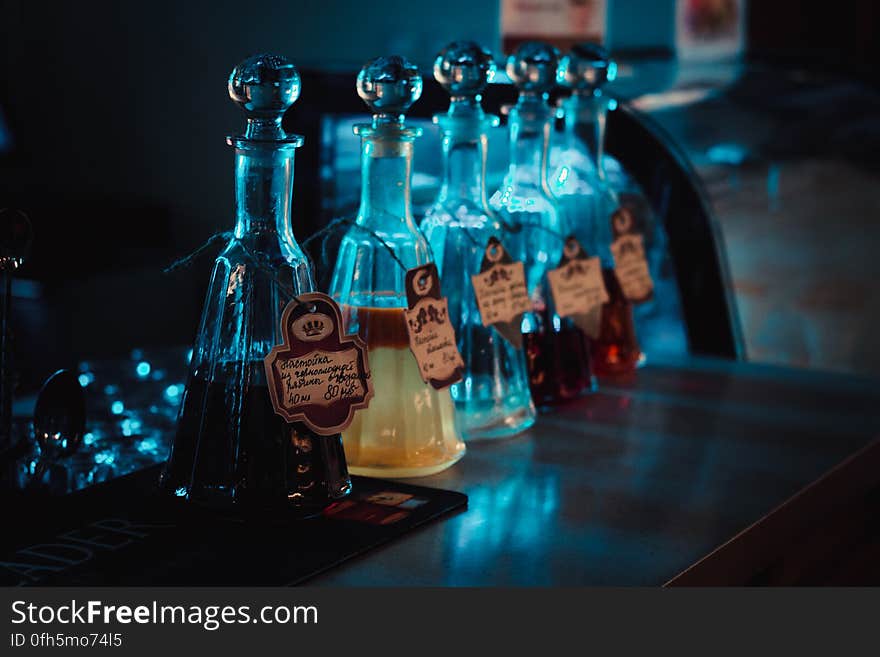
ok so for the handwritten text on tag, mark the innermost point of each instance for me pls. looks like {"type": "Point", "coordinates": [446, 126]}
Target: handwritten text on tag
{"type": "Point", "coordinates": [501, 292]}
{"type": "Point", "coordinates": [578, 287]}
{"type": "Point", "coordinates": [431, 334]}
{"type": "Point", "coordinates": [317, 376]}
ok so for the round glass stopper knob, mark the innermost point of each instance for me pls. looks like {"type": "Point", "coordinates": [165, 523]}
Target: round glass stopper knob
{"type": "Point", "coordinates": [464, 68]}
{"type": "Point", "coordinates": [389, 85]}
{"type": "Point", "coordinates": [587, 66]}
{"type": "Point", "coordinates": [264, 86]}
{"type": "Point", "coordinates": [533, 66]}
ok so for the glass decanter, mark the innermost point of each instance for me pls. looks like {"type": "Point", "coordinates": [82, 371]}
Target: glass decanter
{"type": "Point", "coordinates": [493, 400]}
{"type": "Point", "coordinates": [557, 352]}
{"type": "Point", "coordinates": [409, 428]}
{"type": "Point", "coordinates": [582, 187]}
{"type": "Point", "coordinates": [231, 449]}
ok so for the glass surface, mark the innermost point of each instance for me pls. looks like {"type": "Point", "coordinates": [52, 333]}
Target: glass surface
{"type": "Point", "coordinates": [493, 400]}
{"type": "Point", "coordinates": [408, 430]}
{"type": "Point", "coordinates": [556, 350]}
{"type": "Point", "coordinates": [231, 448]}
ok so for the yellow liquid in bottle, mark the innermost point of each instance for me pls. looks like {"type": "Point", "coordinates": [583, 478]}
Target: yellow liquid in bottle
{"type": "Point", "coordinates": [408, 430]}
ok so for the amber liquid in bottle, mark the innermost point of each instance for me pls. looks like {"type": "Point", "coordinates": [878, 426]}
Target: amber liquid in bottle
{"type": "Point", "coordinates": [616, 351]}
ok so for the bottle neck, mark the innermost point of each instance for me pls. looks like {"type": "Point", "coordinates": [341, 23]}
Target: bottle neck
{"type": "Point", "coordinates": [264, 192]}
{"type": "Point", "coordinates": [585, 118]}
{"type": "Point", "coordinates": [465, 151]}
{"type": "Point", "coordinates": [464, 169]}
{"type": "Point", "coordinates": [386, 175]}
{"type": "Point", "coordinates": [530, 127]}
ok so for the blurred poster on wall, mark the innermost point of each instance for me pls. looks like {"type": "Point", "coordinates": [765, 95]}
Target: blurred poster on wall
{"type": "Point", "coordinates": [710, 29]}
{"type": "Point", "coordinates": [560, 22]}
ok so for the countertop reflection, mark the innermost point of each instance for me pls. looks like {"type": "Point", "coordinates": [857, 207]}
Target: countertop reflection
{"type": "Point", "coordinates": [633, 484]}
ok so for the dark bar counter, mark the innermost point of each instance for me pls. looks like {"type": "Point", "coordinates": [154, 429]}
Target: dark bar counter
{"type": "Point", "coordinates": [641, 481]}
{"type": "Point", "coordinates": [702, 472]}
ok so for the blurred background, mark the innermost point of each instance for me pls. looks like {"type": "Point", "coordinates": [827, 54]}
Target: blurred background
{"type": "Point", "coordinates": [113, 118]}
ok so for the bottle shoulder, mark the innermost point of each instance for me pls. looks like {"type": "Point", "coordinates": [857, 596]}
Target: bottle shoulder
{"type": "Point", "coordinates": [369, 241]}
{"type": "Point", "coordinates": [459, 212]}
{"type": "Point", "coordinates": [514, 199]}
{"type": "Point", "coordinates": [269, 248]}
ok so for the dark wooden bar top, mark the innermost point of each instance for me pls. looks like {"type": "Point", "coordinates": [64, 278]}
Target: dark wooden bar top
{"type": "Point", "coordinates": [704, 472]}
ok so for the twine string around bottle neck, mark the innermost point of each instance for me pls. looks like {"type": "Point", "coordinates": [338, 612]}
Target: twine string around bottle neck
{"type": "Point", "coordinates": [323, 235]}
{"type": "Point", "coordinates": [325, 232]}
{"type": "Point", "coordinates": [255, 259]}
{"type": "Point", "coordinates": [260, 262]}
{"type": "Point", "coordinates": [513, 229]}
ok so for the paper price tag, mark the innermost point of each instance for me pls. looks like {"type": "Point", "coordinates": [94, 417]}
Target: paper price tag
{"type": "Point", "coordinates": [431, 335]}
{"type": "Point", "coordinates": [630, 261]}
{"type": "Point", "coordinates": [578, 288]}
{"type": "Point", "coordinates": [317, 376]}
{"type": "Point", "coordinates": [501, 292]}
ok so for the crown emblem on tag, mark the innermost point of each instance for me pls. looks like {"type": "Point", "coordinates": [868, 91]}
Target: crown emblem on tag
{"type": "Point", "coordinates": [313, 328]}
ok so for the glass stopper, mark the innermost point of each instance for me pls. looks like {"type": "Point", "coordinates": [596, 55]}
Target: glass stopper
{"type": "Point", "coordinates": [464, 68]}
{"type": "Point", "coordinates": [264, 86]}
{"type": "Point", "coordinates": [389, 86]}
{"type": "Point", "coordinates": [533, 67]}
{"type": "Point", "coordinates": [587, 66]}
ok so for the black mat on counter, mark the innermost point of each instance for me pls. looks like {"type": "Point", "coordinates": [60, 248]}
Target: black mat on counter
{"type": "Point", "coordinates": [122, 534]}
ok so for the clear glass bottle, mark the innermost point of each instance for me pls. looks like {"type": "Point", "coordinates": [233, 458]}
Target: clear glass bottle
{"type": "Point", "coordinates": [231, 449]}
{"type": "Point", "coordinates": [409, 428]}
{"type": "Point", "coordinates": [556, 350]}
{"type": "Point", "coordinates": [493, 399]}
{"type": "Point", "coordinates": [582, 187]}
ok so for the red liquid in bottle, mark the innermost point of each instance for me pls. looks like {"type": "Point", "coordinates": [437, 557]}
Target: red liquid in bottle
{"type": "Point", "coordinates": [616, 350]}
{"type": "Point", "coordinates": [558, 361]}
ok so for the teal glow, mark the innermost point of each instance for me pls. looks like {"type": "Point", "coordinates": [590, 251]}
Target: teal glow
{"type": "Point", "coordinates": [143, 369]}
{"type": "Point", "coordinates": [85, 378]}
{"type": "Point", "coordinates": [173, 391]}
{"type": "Point", "coordinates": [130, 427]}
{"type": "Point", "coordinates": [117, 407]}
{"type": "Point", "coordinates": [148, 446]}
{"type": "Point", "coordinates": [728, 153]}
